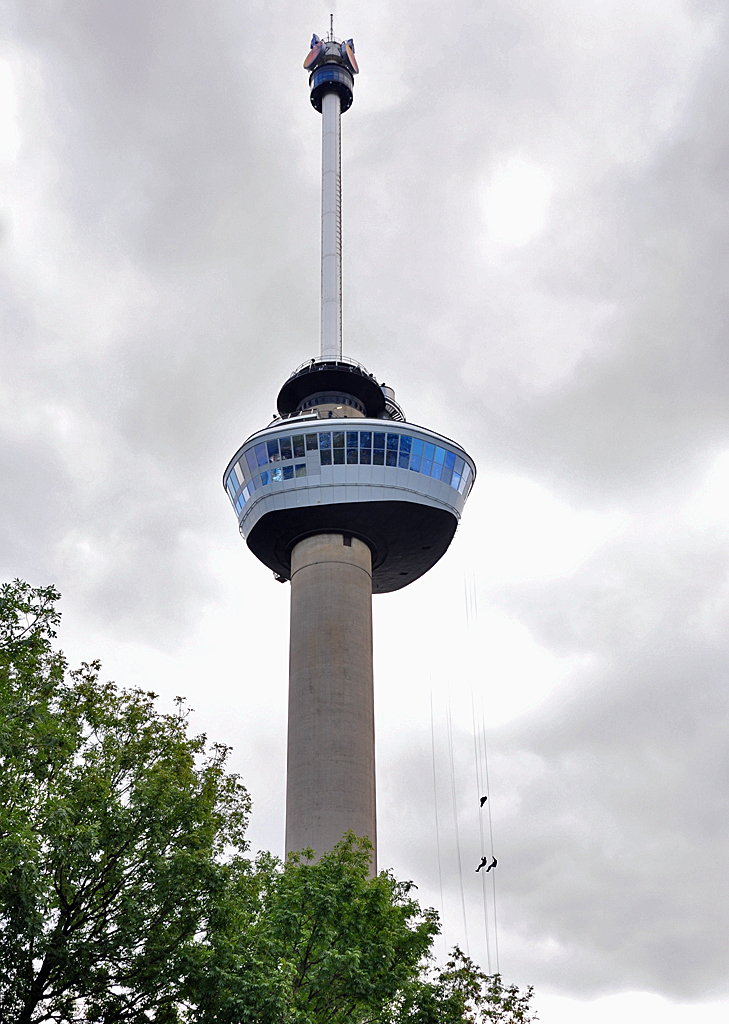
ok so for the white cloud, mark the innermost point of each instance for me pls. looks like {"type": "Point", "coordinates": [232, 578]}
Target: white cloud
{"type": "Point", "coordinates": [515, 201]}
{"type": "Point", "coordinates": [9, 127]}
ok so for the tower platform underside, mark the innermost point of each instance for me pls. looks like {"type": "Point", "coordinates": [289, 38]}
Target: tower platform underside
{"type": "Point", "coordinates": [398, 487]}
{"type": "Point", "coordinates": [405, 538]}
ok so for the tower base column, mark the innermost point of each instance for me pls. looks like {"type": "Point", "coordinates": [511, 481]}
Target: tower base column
{"type": "Point", "coordinates": [331, 742]}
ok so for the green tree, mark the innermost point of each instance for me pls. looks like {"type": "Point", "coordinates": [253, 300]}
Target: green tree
{"type": "Point", "coordinates": [320, 942]}
{"type": "Point", "coordinates": [113, 825]}
{"type": "Point", "coordinates": [126, 895]}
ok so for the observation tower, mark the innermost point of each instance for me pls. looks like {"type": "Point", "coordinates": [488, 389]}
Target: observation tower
{"type": "Point", "coordinates": [345, 498]}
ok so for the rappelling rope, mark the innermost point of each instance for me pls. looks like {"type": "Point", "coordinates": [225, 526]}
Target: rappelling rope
{"type": "Point", "coordinates": [491, 831]}
{"type": "Point", "coordinates": [482, 775]}
{"type": "Point", "coordinates": [455, 820]}
{"type": "Point", "coordinates": [437, 826]}
{"type": "Point", "coordinates": [479, 791]}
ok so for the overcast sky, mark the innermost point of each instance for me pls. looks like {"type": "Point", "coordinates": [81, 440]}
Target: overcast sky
{"type": "Point", "coordinates": [536, 209]}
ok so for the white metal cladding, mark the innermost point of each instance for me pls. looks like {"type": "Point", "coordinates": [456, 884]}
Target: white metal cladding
{"type": "Point", "coordinates": [314, 462]}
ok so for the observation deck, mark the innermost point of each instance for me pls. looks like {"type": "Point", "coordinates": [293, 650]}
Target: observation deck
{"type": "Point", "coordinates": [396, 486]}
{"type": "Point", "coordinates": [331, 376]}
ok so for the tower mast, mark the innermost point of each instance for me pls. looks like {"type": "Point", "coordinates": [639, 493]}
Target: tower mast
{"type": "Point", "coordinates": [332, 65]}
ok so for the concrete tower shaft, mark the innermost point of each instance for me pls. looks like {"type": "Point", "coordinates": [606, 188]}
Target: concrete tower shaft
{"type": "Point", "coordinates": [331, 743]}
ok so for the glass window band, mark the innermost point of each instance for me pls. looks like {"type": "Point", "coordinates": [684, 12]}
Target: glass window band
{"type": "Point", "coordinates": [340, 447]}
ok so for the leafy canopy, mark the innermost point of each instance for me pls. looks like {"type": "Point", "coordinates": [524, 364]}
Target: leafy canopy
{"type": "Point", "coordinates": [113, 825]}
{"type": "Point", "coordinates": [312, 942]}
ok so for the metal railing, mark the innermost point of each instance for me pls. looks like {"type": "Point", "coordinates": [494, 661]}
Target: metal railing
{"type": "Point", "coordinates": [344, 361]}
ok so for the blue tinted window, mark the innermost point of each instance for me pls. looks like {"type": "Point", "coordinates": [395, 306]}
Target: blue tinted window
{"type": "Point", "coordinates": [459, 466]}
{"type": "Point", "coordinates": [261, 454]}
{"type": "Point", "coordinates": [251, 460]}
{"type": "Point", "coordinates": [365, 456]}
{"type": "Point", "coordinates": [246, 493]}
{"type": "Point", "coordinates": [378, 457]}
{"type": "Point", "coordinates": [299, 450]}
{"type": "Point", "coordinates": [312, 442]}
{"type": "Point", "coordinates": [390, 458]}
{"type": "Point", "coordinates": [273, 455]}
{"type": "Point", "coordinates": [286, 452]}
{"type": "Point", "coordinates": [455, 480]}
{"type": "Point", "coordinates": [325, 440]}
{"type": "Point", "coordinates": [288, 472]}
{"type": "Point", "coordinates": [337, 439]}
{"type": "Point", "coordinates": [351, 456]}
{"type": "Point", "coordinates": [365, 438]}
{"type": "Point", "coordinates": [277, 475]}
{"type": "Point", "coordinates": [326, 457]}
{"type": "Point", "coordinates": [301, 469]}
{"type": "Point", "coordinates": [428, 453]}
{"type": "Point", "coordinates": [265, 477]}
{"type": "Point", "coordinates": [339, 456]}
{"type": "Point", "coordinates": [239, 504]}
{"type": "Point", "coordinates": [352, 438]}
{"type": "Point", "coordinates": [379, 440]}
{"type": "Point", "coordinates": [230, 489]}
{"type": "Point", "coordinates": [439, 456]}
{"type": "Point", "coordinates": [233, 478]}
{"type": "Point", "coordinates": [416, 455]}
{"type": "Point", "coordinates": [255, 483]}
{"type": "Point", "coordinates": [392, 440]}
{"type": "Point", "coordinates": [405, 443]}
{"type": "Point", "coordinates": [447, 469]}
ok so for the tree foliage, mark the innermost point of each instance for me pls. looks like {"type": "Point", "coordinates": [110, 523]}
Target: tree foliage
{"type": "Point", "coordinates": [113, 822]}
{"type": "Point", "coordinates": [317, 941]}
{"type": "Point", "coordinates": [126, 895]}
{"type": "Point", "coordinates": [320, 942]}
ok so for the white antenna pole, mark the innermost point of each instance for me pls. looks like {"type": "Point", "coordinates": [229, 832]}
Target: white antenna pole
{"type": "Point", "coordinates": [331, 227]}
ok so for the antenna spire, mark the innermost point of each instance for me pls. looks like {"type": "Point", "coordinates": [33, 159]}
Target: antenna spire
{"type": "Point", "coordinates": [331, 28]}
